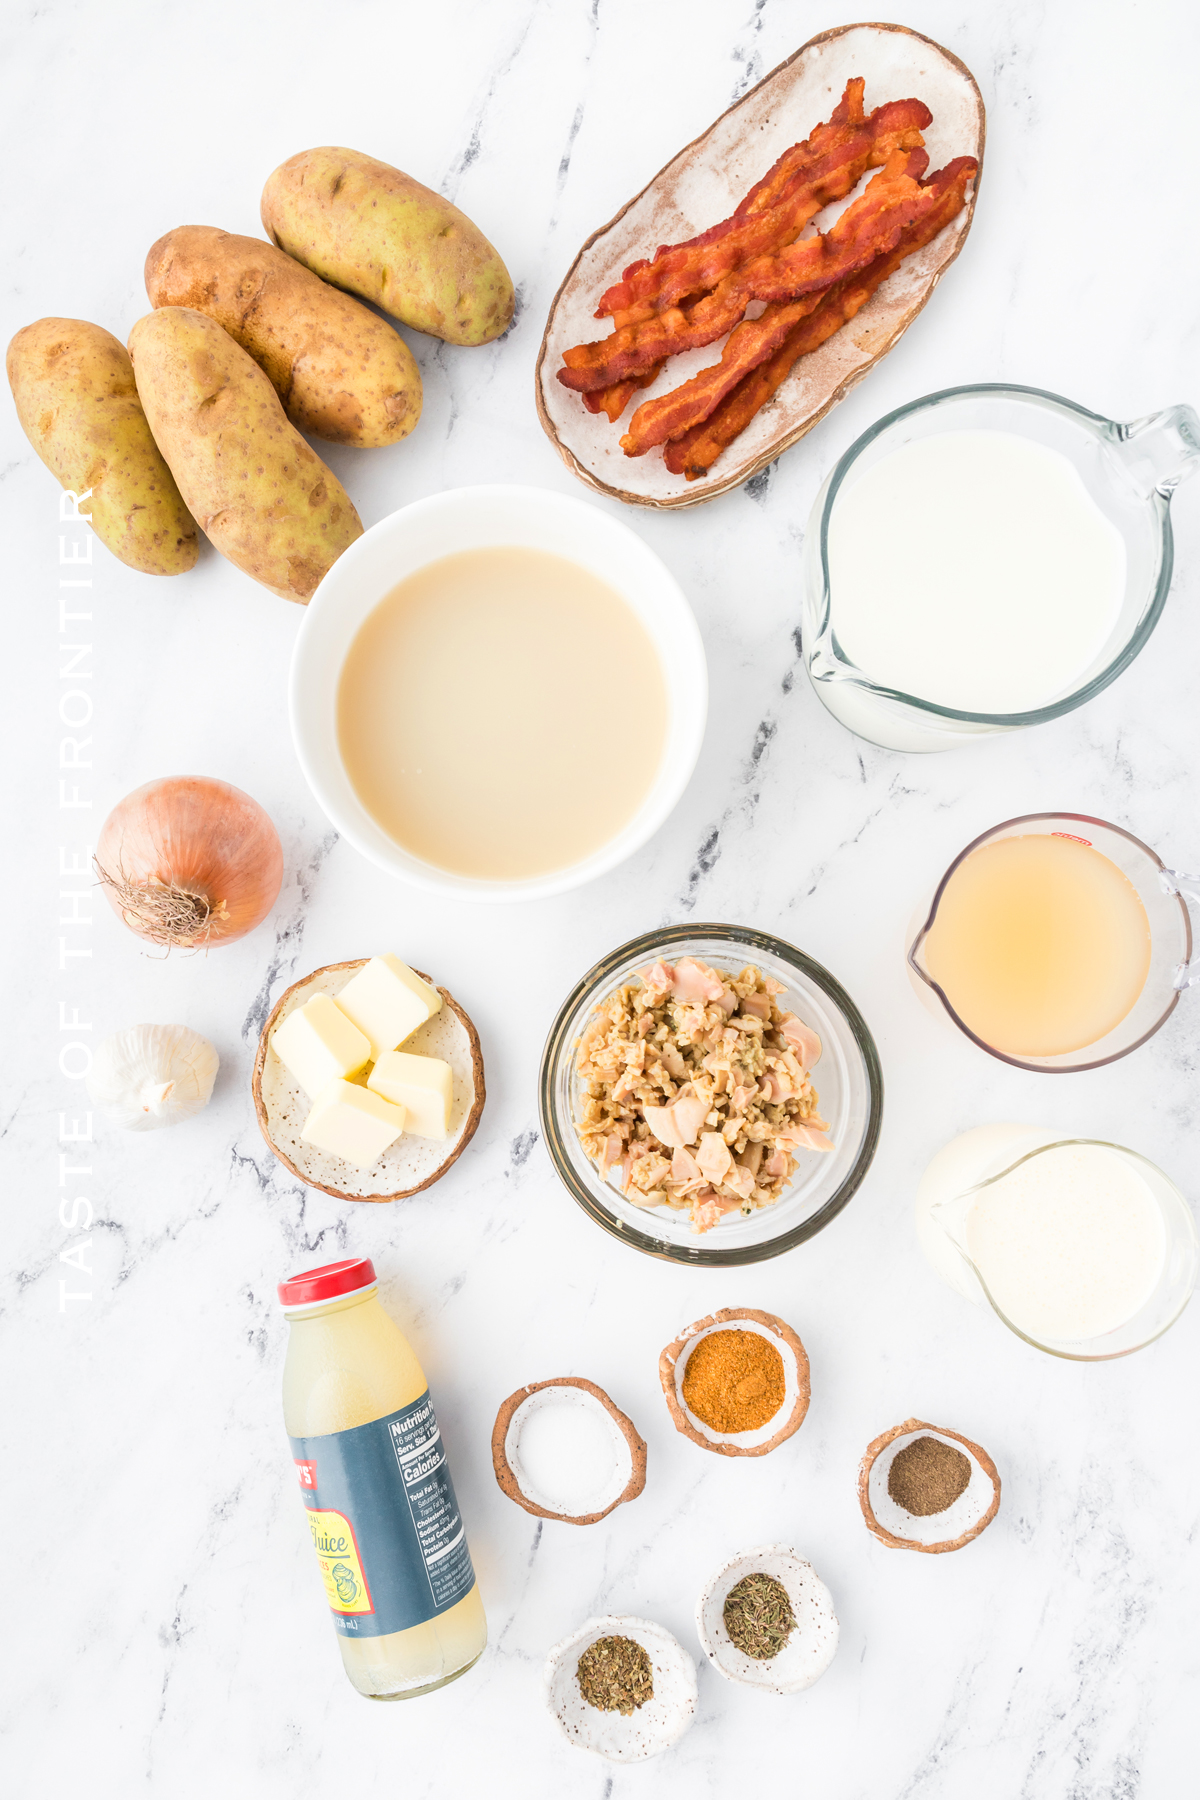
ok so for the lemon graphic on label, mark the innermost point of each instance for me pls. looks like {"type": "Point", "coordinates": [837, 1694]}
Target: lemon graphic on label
{"type": "Point", "coordinates": [347, 1587]}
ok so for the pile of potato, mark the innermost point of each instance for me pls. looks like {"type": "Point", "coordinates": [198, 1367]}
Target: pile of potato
{"type": "Point", "coordinates": [249, 345]}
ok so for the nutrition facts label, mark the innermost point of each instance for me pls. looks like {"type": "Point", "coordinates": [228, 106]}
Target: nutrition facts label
{"type": "Point", "coordinates": [421, 1459]}
{"type": "Point", "coordinates": [385, 1523]}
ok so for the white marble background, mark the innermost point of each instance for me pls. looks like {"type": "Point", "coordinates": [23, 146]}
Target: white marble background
{"type": "Point", "coordinates": [164, 1630]}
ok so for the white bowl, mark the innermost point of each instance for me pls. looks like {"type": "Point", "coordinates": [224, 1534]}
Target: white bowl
{"type": "Point", "coordinates": [471, 519]}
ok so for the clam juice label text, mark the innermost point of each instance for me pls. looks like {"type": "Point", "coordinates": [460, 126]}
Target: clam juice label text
{"type": "Point", "coordinates": [385, 1523]}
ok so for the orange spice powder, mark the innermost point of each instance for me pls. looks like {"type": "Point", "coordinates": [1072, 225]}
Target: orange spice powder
{"type": "Point", "coordinates": [734, 1381]}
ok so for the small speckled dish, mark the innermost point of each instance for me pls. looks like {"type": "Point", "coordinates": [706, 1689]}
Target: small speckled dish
{"type": "Point", "coordinates": [623, 1737]}
{"type": "Point", "coordinates": [628, 1476]}
{"type": "Point", "coordinates": [672, 1367]}
{"type": "Point", "coordinates": [970, 1514]}
{"type": "Point", "coordinates": [814, 1640]}
{"type": "Point", "coordinates": [411, 1163]}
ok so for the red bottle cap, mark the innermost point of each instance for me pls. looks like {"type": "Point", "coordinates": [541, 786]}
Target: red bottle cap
{"type": "Point", "coordinates": [329, 1282]}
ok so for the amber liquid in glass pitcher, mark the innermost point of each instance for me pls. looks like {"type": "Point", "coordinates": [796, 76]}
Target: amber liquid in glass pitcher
{"type": "Point", "coordinates": [1041, 944]}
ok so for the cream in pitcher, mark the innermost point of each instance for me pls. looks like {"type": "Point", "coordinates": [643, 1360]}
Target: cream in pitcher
{"type": "Point", "coordinates": [388, 1535]}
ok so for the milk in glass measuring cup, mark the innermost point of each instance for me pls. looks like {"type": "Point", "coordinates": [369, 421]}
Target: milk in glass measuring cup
{"type": "Point", "coordinates": [988, 558]}
{"type": "Point", "coordinates": [1056, 942]}
{"type": "Point", "coordinates": [1083, 1248]}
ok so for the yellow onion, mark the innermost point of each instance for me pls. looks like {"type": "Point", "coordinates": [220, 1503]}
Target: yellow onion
{"type": "Point", "coordinates": [189, 862]}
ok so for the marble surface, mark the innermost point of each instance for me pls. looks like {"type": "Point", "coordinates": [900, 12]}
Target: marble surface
{"type": "Point", "coordinates": [165, 1630]}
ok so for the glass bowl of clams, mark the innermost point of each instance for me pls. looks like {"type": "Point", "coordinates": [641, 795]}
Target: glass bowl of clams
{"type": "Point", "coordinates": [709, 1094]}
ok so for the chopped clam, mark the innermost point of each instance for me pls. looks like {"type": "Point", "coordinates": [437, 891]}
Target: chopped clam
{"type": "Point", "coordinates": [696, 1090]}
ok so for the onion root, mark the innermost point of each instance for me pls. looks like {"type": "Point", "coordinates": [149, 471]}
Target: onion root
{"type": "Point", "coordinates": [162, 912]}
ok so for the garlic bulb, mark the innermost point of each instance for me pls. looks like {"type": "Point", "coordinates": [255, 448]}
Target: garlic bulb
{"type": "Point", "coordinates": [152, 1075]}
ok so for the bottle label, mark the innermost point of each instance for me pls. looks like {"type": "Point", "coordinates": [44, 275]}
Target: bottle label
{"type": "Point", "coordinates": [385, 1524]}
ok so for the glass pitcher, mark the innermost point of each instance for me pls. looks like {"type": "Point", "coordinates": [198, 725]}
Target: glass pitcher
{"type": "Point", "coordinates": [1130, 471]}
{"type": "Point", "coordinates": [1164, 894]}
{"type": "Point", "coordinates": [977, 1161]}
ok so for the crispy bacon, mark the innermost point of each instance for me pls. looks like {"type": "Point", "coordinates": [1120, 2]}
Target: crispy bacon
{"type": "Point", "coordinates": [776, 211]}
{"type": "Point", "coordinates": [695, 451]}
{"type": "Point", "coordinates": [613, 400]}
{"type": "Point", "coordinates": [869, 224]}
{"type": "Point", "coordinates": [852, 244]}
{"type": "Point", "coordinates": [846, 117]}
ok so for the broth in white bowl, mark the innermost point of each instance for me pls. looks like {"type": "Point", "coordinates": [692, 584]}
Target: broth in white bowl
{"type": "Point", "coordinates": [498, 693]}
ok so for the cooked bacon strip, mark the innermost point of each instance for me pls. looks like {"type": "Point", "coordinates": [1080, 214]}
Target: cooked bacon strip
{"type": "Point", "coordinates": [613, 400]}
{"type": "Point", "coordinates": [755, 341]}
{"type": "Point", "coordinates": [698, 265]}
{"type": "Point", "coordinates": [843, 122]}
{"type": "Point", "coordinates": [847, 113]}
{"type": "Point", "coordinates": [869, 224]}
{"type": "Point", "coordinates": [695, 451]}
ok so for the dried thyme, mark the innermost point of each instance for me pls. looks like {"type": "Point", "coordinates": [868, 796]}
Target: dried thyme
{"type": "Point", "coordinates": [758, 1616]}
{"type": "Point", "coordinates": [614, 1675]}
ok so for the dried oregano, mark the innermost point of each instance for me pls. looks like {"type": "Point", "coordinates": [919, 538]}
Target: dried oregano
{"type": "Point", "coordinates": [614, 1675]}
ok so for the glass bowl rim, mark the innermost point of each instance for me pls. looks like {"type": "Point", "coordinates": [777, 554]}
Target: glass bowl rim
{"type": "Point", "coordinates": [1041, 715]}
{"type": "Point", "coordinates": [711, 1256]}
{"type": "Point", "coordinates": [1017, 1062]}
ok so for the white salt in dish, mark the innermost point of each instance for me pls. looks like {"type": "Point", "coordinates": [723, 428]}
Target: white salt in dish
{"type": "Point", "coordinates": [562, 1450]}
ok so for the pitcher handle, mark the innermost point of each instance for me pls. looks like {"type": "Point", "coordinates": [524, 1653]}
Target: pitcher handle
{"type": "Point", "coordinates": [1185, 888]}
{"type": "Point", "coordinates": [1159, 451]}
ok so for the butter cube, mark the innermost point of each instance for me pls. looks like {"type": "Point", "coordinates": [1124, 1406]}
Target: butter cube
{"type": "Point", "coordinates": [421, 1085]}
{"type": "Point", "coordinates": [318, 1044]}
{"type": "Point", "coordinates": [387, 1002]}
{"type": "Point", "coordinates": [349, 1121]}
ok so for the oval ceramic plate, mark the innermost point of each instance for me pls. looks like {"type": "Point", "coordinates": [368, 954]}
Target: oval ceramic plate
{"type": "Point", "coordinates": [704, 184]}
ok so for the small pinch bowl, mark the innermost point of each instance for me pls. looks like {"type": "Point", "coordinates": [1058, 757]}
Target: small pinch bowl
{"type": "Point", "coordinates": [620, 1737]}
{"type": "Point", "coordinates": [630, 1449]}
{"type": "Point", "coordinates": [970, 1514]}
{"type": "Point", "coordinates": [474, 518]}
{"type": "Point", "coordinates": [411, 1163]}
{"type": "Point", "coordinates": [672, 1367]}
{"type": "Point", "coordinates": [814, 1640]}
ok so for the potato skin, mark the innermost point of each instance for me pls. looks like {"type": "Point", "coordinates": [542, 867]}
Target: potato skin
{"type": "Point", "coordinates": [260, 492]}
{"type": "Point", "coordinates": [341, 372]}
{"type": "Point", "coordinates": [78, 406]}
{"type": "Point", "coordinates": [375, 231]}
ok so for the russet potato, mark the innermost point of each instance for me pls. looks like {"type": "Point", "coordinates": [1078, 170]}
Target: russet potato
{"type": "Point", "coordinates": [78, 405]}
{"type": "Point", "coordinates": [341, 372]}
{"type": "Point", "coordinates": [373, 230]}
{"type": "Point", "coordinates": [257, 489]}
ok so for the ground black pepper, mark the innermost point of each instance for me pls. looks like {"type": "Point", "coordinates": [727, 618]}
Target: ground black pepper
{"type": "Point", "coordinates": [927, 1476]}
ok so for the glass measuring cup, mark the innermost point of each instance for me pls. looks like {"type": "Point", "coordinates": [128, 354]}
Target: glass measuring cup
{"type": "Point", "coordinates": [1164, 894]}
{"type": "Point", "coordinates": [1130, 472]}
{"type": "Point", "coordinates": [978, 1161]}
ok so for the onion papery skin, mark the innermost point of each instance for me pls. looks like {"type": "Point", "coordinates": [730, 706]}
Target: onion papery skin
{"type": "Point", "coordinates": [200, 835]}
